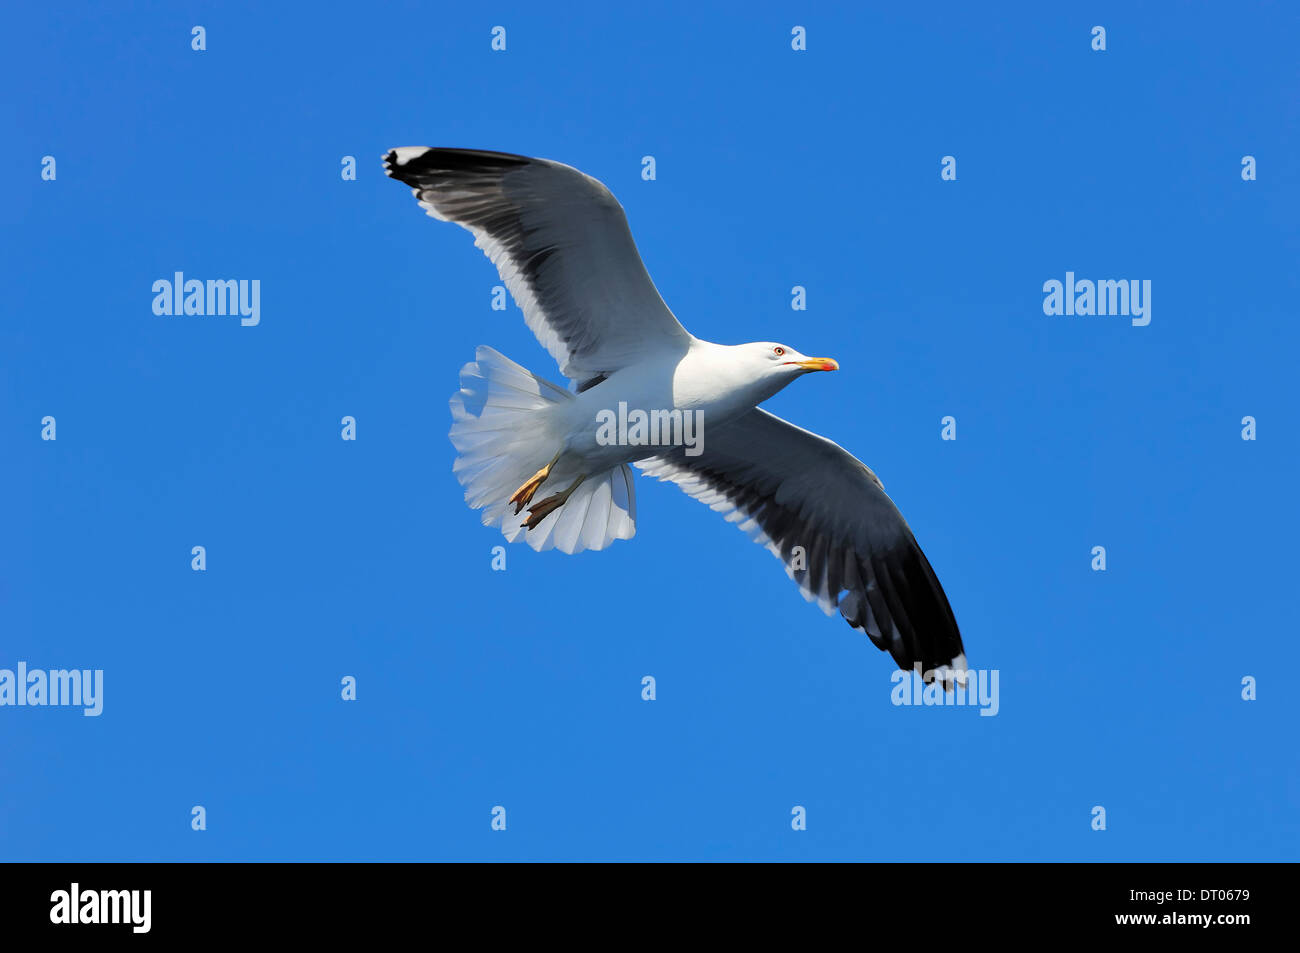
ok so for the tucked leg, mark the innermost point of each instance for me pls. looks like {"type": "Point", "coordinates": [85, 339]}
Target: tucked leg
{"type": "Point", "coordinates": [524, 495]}
{"type": "Point", "coordinates": [546, 507]}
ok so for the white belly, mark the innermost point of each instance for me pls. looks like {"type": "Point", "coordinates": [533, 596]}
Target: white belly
{"type": "Point", "coordinates": [645, 410]}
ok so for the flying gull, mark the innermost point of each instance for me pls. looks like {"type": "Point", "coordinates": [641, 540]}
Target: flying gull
{"type": "Point", "coordinates": [562, 245]}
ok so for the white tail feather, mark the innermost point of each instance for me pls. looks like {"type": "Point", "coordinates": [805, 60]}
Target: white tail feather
{"type": "Point", "coordinates": [505, 429]}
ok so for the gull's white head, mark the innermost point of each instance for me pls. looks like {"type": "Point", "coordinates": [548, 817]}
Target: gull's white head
{"type": "Point", "coordinates": [765, 367]}
{"type": "Point", "coordinates": [770, 359]}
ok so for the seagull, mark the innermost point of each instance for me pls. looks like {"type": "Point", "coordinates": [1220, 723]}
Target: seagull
{"type": "Point", "coordinates": [561, 243]}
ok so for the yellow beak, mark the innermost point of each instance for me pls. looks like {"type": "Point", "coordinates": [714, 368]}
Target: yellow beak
{"type": "Point", "coordinates": [818, 364]}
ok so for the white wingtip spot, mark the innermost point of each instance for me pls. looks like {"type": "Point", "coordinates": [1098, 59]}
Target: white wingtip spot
{"type": "Point", "coordinates": [954, 673]}
{"type": "Point", "coordinates": [404, 154]}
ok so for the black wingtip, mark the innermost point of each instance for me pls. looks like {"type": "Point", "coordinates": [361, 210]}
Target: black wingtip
{"type": "Point", "coordinates": [410, 162]}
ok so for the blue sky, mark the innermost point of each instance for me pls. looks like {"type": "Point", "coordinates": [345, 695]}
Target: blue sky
{"type": "Point", "coordinates": [522, 688]}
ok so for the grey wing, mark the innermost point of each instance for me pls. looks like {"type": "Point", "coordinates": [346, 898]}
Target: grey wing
{"type": "Point", "coordinates": [826, 516]}
{"type": "Point", "coordinates": [562, 245]}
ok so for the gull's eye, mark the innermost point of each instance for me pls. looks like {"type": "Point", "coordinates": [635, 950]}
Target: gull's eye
{"type": "Point", "coordinates": [778, 351]}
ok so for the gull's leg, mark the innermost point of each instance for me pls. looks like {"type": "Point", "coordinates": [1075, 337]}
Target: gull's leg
{"type": "Point", "coordinates": [540, 511]}
{"type": "Point", "coordinates": [524, 495]}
